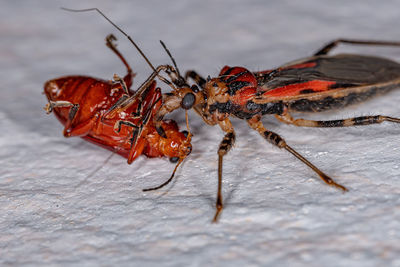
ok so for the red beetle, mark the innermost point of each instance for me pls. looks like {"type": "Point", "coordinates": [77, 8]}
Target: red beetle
{"type": "Point", "coordinates": [111, 115]}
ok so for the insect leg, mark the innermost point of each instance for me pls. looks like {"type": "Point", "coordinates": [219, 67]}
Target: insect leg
{"type": "Point", "coordinates": [117, 79]}
{"type": "Point", "coordinates": [137, 142]}
{"type": "Point", "coordinates": [110, 42]}
{"type": "Point", "coordinates": [166, 182]}
{"type": "Point", "coordinates": [199, 80]}
{"type": "Point", "coordinates": [184, 97]}
{"type": "Point", "coordinates": [61, 104]}
{"type": "Point", "coordinates": [363, 120]}
{"type": "Point", "coordinates": [118, 124]}
{"type": "Point", "coordinates": [278, 141]}
{"type": "Point", "coordinates": [225, 145]}
{"type": "Point", "coordinates": [125, 101]}
{"type": "Point", "coordinates": [170, 103]}
{"type": "Point", "coordinates": [78, 130]}
{"type": "Point", "coordinates": [327, 48]}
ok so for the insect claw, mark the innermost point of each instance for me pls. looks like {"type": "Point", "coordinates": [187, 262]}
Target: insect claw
{"type": "Point", "coordinates": [48, 108]}
{"type": "Point", "coordinates": [339, 186]}
{"type": "Point", "coordinates": [331, 182]}
{"type": "Point", "coordinates": [217, 213]}
{"type": "Point", "coordinates": [110, 40]}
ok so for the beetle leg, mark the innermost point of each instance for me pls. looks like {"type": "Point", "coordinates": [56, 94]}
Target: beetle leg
{"type": "Point", "coordinates": [110, 42]}
{"type": "Point", "coordinates": [166, 182]}
{"type": "Point", "coordinates": [225, 145]}
{"type": "Point", "coordinates": [199, 80]}
{"type": "Point", "coordinates": [78, 130]}
{"type": "Point", "coordinates": [356, 121]}
{"type": "Point", "coordinates": [278, 141]}
{"type": "Point", "coordinates": [328, 47]}
{"type": "Point", "coordinates": [60, 104]}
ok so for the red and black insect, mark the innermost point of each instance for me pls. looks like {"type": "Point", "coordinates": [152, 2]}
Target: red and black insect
{"type": "Point", "coordinates": [111, 115]}
{"type": "Point", "coordinates": [313, 84]}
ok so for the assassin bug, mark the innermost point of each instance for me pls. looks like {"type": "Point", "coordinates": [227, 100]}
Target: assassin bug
{"type": "Point", "coordinates": [313, 84]}
{"type": "Point", "coordinates": [109, 114]}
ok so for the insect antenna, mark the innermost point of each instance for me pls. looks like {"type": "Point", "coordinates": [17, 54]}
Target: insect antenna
{"type": "Point", "coordinates": [116, 26]}
{"type": "Point", "coordinates": [187, 124]}
{"type": "Point", "coordinates": [179, 81]}
{"type": "Point", "coordinates": [166, 182]}
{"type": "Point", "coordinates": [124, 33]}
{"type": "Point", "coordinates": [171, 57]}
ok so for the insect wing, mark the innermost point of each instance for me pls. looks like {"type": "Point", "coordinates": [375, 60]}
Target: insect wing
{"type": "Point", "coordinates": [324, 74]}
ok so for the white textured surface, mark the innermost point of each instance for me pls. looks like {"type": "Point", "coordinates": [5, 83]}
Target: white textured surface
{"type": "Point", "coordinates": [59, 208]}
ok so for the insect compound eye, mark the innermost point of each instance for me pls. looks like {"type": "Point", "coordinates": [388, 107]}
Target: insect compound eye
{"type": "Point", "coordinates": [161, 132]}
{"type": "Point", "coordinates": [189, 150]}
{"type": "Point", "coordinates": [185, 133]}
{"type": "Point", "coordinates": [188, 101]}
{"type": "Point", "coordinates": [174, 159]}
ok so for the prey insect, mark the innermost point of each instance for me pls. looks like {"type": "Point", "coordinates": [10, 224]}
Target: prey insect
{"type": "Point", "coordinates": [111, 115]}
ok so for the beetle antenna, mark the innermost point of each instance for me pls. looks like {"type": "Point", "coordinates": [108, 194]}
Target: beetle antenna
{"type": "Point", "coordinates": [166, 182]}
{"type": "Point", "coordinates": [118, 28]}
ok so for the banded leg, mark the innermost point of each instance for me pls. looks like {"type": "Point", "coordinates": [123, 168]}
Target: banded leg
{"type": "Point", "coordinates": [199, 80]}
{"type": "Point", "coordinates": [110, 42]}
{"type": "Point", "coordinates": [327, 48]}
{"type": "Point", "coordinates": [225, 145]}
{"type": "Point", "coordinates": [357, 121]}
{"type": "Point", "coordinates": [278, 141]}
